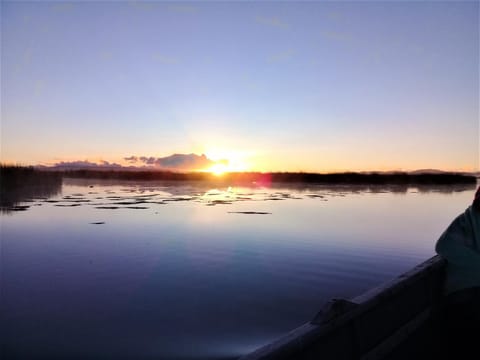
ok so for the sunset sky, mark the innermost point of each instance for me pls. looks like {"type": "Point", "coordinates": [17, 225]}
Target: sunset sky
{"type": "Point", "coordinates": [311, 86]}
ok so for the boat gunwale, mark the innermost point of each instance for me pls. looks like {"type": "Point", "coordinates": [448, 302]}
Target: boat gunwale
{"type": "Point", "coordinates": [326, 322]}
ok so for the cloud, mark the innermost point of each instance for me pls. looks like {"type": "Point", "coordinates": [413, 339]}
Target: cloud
{"type": "Point", "coordinates": [79, 164]}
{"type": "Point", "coordinates": [272, 21]}
{"type": "Point", "coordinates": [184, 162]}
{"type": "Point", "coordinates": [147, 160]}
{"type": "Point", "coordinates": [175, 161]}
{"type": "Point", "coordinates": [131, 159]}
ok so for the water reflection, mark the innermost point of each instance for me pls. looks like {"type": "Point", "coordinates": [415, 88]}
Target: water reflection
{"type": "Point", "coordinates": [190, 270]}
{"type": "Point", "coordinates": [19, 187]}
{"type": "Point", "coordinates": [205, 188]}
{"type": "Point", "coordinates": [33, 189]}
{"type": "Point", "coordinates": [197, 187]}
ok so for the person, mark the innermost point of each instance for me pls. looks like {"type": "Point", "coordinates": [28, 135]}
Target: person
{"type": "Point", "coordinates": [460, 246]}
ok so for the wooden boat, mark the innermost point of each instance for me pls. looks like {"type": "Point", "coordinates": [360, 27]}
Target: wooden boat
{"type": "Point", "coordinates": [398, 320]}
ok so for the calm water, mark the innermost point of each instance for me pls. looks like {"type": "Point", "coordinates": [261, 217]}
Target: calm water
{"type": "Point", "coordinates": [115, 270]}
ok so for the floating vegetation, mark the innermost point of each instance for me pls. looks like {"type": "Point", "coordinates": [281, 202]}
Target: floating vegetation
{"type": "Point", "coordinates": [250, 212]}
{"type": "Point", "coordinates": [179, 199]}
{"type": "Point", "coordinates": [220, 202]}
{"type": "Point", "coordinates": [135, 202]}
{"type": "Point", "coordinates": [243, 198]}
{"type": "Point", "coordinates": [17, 208]}
{"type": "Point", "coordinates": [222, 191]}
{"type": "Point", "coordinates": [68, 197]}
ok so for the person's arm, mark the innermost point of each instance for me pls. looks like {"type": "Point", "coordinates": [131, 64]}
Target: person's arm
{"type": "Point", "coordinates": [452, 244]}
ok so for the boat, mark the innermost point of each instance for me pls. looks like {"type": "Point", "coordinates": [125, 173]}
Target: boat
{"type": "Point", "coordinates": [400, 319]}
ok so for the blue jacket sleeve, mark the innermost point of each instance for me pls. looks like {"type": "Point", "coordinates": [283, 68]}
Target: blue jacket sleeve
{"type": "Point", "coordinates": [457, 243]}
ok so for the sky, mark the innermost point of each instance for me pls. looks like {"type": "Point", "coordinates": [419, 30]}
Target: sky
{"type": "Point", "coordinates": [284, 86]}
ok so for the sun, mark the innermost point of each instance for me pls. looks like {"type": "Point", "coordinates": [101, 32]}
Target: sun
{"type": "Point", "coordinates": [226, 161]}
{"type": "Point", "coordinates": [218, 169]}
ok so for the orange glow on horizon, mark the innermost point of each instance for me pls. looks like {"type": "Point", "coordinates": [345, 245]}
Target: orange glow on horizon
{"type": "Point", "coordinates": [218, 169]}
{"type": "Point", "coordinates": [224, 161]}
{"type": "Point", "coordinates": [227, 161]}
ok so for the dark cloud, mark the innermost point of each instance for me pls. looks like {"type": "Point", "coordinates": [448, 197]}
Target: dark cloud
{"type": "Point", "coordinates": [147, 160]}
{"type": "Point", "coordinates": [173, 162]}
{"type": "Point", "coordinates": [180, 161]}
{"type": "Point", "coordinates": [73, 165]}
{"type": "Point", "coordinates": [131, 159]}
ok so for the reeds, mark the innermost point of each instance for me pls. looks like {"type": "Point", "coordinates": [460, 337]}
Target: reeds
{"type": "Point", "coordinates": [20, 183]}
{"type": "Point", "coordinates": [399, 178]}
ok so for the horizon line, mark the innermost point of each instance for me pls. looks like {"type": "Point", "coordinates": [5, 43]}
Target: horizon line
{"type": "Point", "coordinates": [131, 168]}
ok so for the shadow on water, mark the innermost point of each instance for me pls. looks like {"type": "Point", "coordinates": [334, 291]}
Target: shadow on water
{"type": "Point", "coordinates": [20, 185]}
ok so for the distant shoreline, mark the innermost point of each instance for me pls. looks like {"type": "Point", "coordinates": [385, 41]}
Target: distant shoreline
{"type": "Point", "coordinates": [393, 178]}
{"type": "Point", "coordinates": [19, 184]}
{"type": "Point", "coordinates": [283, 177]}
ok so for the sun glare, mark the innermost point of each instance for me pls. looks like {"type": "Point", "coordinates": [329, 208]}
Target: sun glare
{"type": "Point", "coordinates": [218, 169]}
{"type": "Point", "coordinates": [227, 161]}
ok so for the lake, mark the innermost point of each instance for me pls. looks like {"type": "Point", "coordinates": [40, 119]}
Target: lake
{"type": "Point", "coordinates": [188, 270]}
